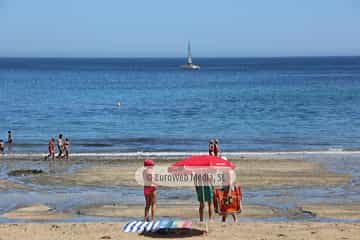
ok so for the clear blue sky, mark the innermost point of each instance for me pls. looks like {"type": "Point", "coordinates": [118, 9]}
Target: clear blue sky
{"type": "Point", "coordinates": [160, 28]}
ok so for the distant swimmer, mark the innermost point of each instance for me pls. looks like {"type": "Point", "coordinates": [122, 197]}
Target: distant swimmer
{"type": "Point", "coordinates": [119, 104]}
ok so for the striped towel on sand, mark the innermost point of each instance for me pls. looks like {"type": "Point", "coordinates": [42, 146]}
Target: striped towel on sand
{"type": "Point", "coordinates": [141, 226]}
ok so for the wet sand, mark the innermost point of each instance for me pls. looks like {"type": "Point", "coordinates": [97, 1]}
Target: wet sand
{"type": "Point", "coordinates": [335, 211]}
{"type": "Point", "coordinates": [269, 231]}
{"type": "Point", "coordinates": [36, 212]}
{"type": "Point", "coordinates": [251, 173]}
{"type": "Point", "coordinates": [6, 185]}
{"type": "Point", "coordinates": [190, 211]}
{"type": "Point", "coordinates": [187, 211]}
{"type": "Point", "coordinates": [183, 211]}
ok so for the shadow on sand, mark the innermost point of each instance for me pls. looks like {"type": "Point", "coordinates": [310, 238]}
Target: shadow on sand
{"type": "Point", "coordinates": [175, 233]}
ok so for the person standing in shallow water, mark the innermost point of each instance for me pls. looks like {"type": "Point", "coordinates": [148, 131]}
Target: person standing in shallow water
{"type": "Point", "coordinates": [1, 146]}
{"type": "Point", "coordinates": [211, 147]}
{"type": "Point", "coordinates": [67, 148]}
{"type": "Point", "coordinates": [60, 146]}
{"type": "Point", "coordinates": [51, 149]}
{"type": "Point", "coordinates": [10, 141]}
{"type": "Point", "coordinates": [216, 148]}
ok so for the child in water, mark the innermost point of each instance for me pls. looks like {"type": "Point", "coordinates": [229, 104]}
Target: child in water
{"type": "Point", "coordinates": [149, 190]}
{"type": "Point", "coordinates": [67, 148]}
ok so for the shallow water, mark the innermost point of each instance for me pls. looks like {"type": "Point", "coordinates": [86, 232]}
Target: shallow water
{"type": "Point", "coordinates": [285, 200]}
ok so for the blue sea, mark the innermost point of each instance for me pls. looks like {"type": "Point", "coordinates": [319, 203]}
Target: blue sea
{"type": "Point", "coordinates": [249, 104]}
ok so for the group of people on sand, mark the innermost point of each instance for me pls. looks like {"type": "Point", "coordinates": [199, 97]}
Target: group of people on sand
{"type": "Point", "coordinates": [205, 193]}
{"type": "Point", "coordinates": [9, 142]}
{"type": "Point", "coordinates": [63, 148]}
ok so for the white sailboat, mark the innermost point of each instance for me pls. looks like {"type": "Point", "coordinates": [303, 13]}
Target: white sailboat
{"type": "Point", "coordinates": [189, 64]}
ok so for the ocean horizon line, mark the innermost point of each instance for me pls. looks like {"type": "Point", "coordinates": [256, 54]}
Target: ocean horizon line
{"type": "Point", "coordinates": [181, 57]}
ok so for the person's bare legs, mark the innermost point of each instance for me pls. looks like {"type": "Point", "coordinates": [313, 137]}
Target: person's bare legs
{"type": "Point", "coordinates": [201, 211]}
{"type": "Point", "coordinates": [59, 156]}
{"type": "Point", "coordinates": [234, 217]}
{"type": "Point", "coordinates": [147, 206]}
{"type": "Point", "coordinates": [153, 205]}
{"type": "Point", "coordinates": [211, 210]}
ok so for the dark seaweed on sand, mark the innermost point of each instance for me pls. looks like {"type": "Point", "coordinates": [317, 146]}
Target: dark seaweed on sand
{"type": "Point", "coordinates": [25, 172]}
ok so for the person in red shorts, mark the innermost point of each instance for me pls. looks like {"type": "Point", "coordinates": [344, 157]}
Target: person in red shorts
{"type": "Point", "coordinates": [149, 189]}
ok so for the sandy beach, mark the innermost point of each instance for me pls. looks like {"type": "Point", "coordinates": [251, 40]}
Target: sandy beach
{"type": "Point", "coordinates": [182, 210]}
{"type": "Point", "coordinates": [253, 174]}
{"type": "Point", "coordinates": [87, 231]}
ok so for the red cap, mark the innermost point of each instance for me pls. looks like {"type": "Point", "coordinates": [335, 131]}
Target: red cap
{"type": "Point", "coordinates": [148, 163]}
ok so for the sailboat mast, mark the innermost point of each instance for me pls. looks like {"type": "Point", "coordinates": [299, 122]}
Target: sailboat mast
{"type": "Point", "coordinates": [189, 60]}
{"type": "Point", "coordinates": [189, 64]}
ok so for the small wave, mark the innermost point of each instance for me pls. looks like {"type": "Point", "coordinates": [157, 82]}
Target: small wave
{"type": "Point", "coordinates": [317, 75]}
{"type": "Point", "coordinates": [137, 140]}
{"type": "Point", "coordinates": [336, 149]}
{"type": "Point", "coordinates": [95, 144]}
{"type": "Point", "coordinates": [184, 154]}
{"type": "Point", "coordinates": [30, 144]}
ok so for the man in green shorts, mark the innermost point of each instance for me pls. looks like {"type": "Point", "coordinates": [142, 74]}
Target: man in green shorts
{"type": "Point", "coordinates": [205, 194]}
